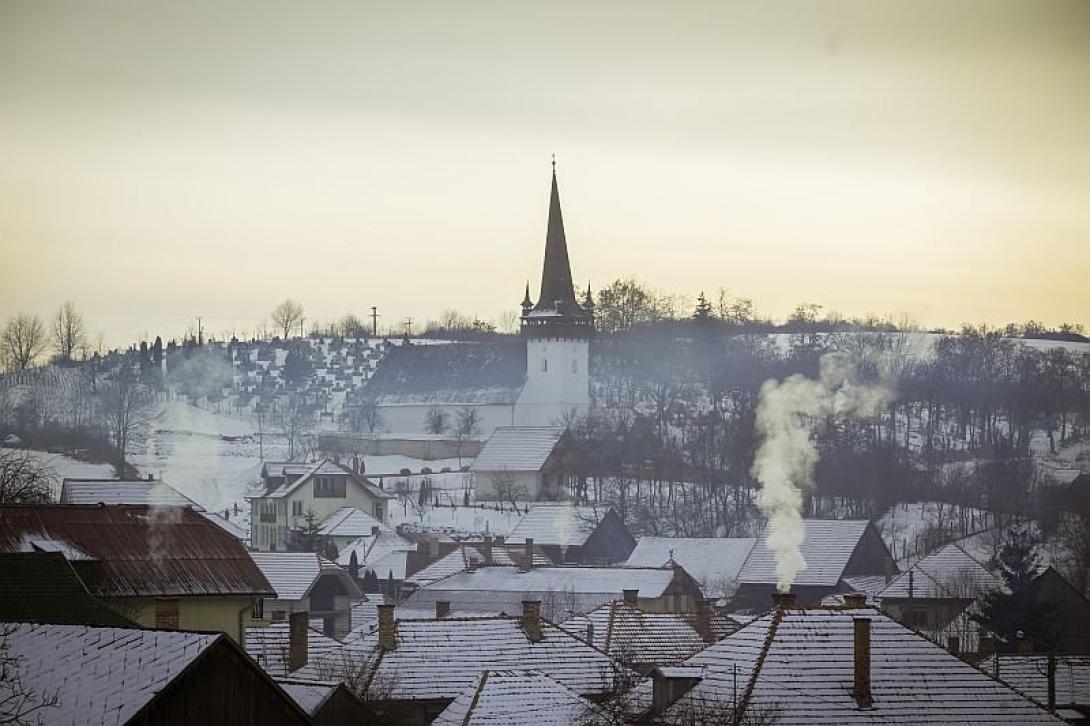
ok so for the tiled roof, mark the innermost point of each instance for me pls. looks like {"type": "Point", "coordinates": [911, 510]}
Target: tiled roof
{"type": "Point", "coordinates": [350, 522]}
{"type": "Point", "coordinates": [518, 448]}
{"type": "Point", "coordinates": [518, 698]}
{"type": "Point", "coordinates": [949, 572]}
{"type": "Point", "coordinates": [136, 551]}
{"type": "Point", "coordinates": [121, 491]}
{"type": "Point", "coordinates": [292, 574]}
{"type": "Point", "coordinates": [327, 468]}
{"type": "Point", "coordinates": [1028, 675]}
{"type": "Point", "coordinates": [460, 559]}
{"type": "Point", "coordinates": [310, 695]}
{"type": "Point", "coordinates": [268, 646]}
{"type": "Point", "coordinates": [799, 664]}
{"type": "Point", "coordinates": [633, 636]}
{"type": "Point", "coordinates": [712, 561]}
{"type": "Point", "coordinates": [828, 546]}
{"type": "Point", "coordinates": [437, 659]}
{"type": "Point", "coordinates": [100, 675]}
{"type": "Point", "coordinates": [42, 587]}
{"type": "Point", "coordinates": [558, 523]}
{"type": "Point", "coordinates": [564, 591]}
{"type": "Point", "coordinates": [454, 374]}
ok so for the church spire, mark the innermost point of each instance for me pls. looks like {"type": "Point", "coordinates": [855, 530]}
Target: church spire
{"type": "Point", "coordinates": [556, 282]}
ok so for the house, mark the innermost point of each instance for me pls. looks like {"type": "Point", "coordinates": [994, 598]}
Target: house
{"type": "Point", "coordinates": [347, 525]}
{"type": "Point", "coordinates": [1072, 611]}
{"type": "Point", "coordinates": [714, 562]}
{"type": "Point", "coordinates": [584, 535]}
{"type": "Point", "coordinates": [42, 587]}
{"type": "Point", "coordinates": [535, 382]}
{"type": "Point", "coordinates": [278, 651]}
{"type": "Point", "coordinates": [519, 697]}
{"type": "Point", "coordinates": [834, 550]}
{"type": "Point", "coordinates": [523, 463]}
{"type": "Point", "coordinates": [1029, 675]}
{"type": "Point", "coordinates": [164, 567]}
{"type": "Point", "coordinates": [935, 594]}
{"type": "Point", "coordinates": [308, 582]}
{"type": "Point", "coordinates": [847, 665]}
{"type": "Point", "coordinates": [379, 562]}
{"type": "Point", "coordinates": [327, 703]}
{"type": "Point", "coordinates": [564, 591]}
{"type": "Point", "coordinates": [470, 555]}
{"type": "Point", "coordinates": [421, 666]}
{"type": "Point", "coordinates": [642, 640]}
{"type": "Point", "coordinates": [291, 502]}
{"type": "Point", "coordinates": [135, 676]}
{"type": "Point", "coordinates": [151, 492]}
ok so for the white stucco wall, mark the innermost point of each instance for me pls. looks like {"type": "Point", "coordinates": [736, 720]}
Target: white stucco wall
{"type": "Point", "coordinates": [557, 381]}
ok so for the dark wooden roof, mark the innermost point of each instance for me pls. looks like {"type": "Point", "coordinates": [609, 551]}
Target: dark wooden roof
{"type": "Point", "coordinates": [42, 587]}
{"type": "Point", "coordinates": [450, 374]}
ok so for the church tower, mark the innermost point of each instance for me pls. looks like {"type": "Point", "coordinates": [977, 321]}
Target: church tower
{"type": "Point", "coordinates": [557, 331]}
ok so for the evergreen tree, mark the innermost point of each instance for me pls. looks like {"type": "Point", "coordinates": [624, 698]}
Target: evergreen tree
{"type": "Point", "coordinates": [703, 312]}
{"type": "Point", "coordinates": [354, 566]}
{"type": "Point", "coordinates": [1015, 607]}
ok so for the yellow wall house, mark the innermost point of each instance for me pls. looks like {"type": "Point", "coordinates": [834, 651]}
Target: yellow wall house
{"type": "Point", "coordinates": [161, 567]}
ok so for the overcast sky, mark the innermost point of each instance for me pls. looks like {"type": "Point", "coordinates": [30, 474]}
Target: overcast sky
{"type": "Point", "coordinates": [163, 161]}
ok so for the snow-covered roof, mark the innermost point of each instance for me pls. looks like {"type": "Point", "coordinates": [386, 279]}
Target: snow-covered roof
{"type": "Point", "coordinates": [558, 523]}
{"type": "Point", "coordinates": [350, 522]}
{"type": "Point", "coordinates": [387, 553]}
{"type": "Point", "coordinates": [799, 663]}
{"type": "Point", "coordinates": [310, 695]}
{"type": "Point", "coordinates": [99, 675]}
{"type": "Point", "coordinates": [948, 572]}
{"type": "Point", "coordinates": [570, 590]}
{"type": "Point", "coordinates": [268, 646]}
{"type": "Point", "coordinates": [292, 574]}
{"type": "Point", "coordinates": [633, 636]}
{"type": "Point", "coordinates": [327, 468]}
{"type": "Point", "coordinates": [518, 448]}
{"type": "Point", "coordinates": [227, 526]}
{"type": "Point", "coordinates": [123, 491]}
{"type": "Point", "coordinates": [1028, 674]}
{"type": "Point", "coordinates": [827, 547]}
{"type": "Point", "coordinates": [460, 559]}
{"type": "Point", "coordinates": [710, 560]}
{"type": "Point", "coordinates": [437, 659]}
{"type": "Point", "coordinates": [518, 698]}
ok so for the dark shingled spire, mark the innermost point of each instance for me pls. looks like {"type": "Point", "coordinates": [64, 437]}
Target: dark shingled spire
{"type": "Point", "coordinates": [556, 283]}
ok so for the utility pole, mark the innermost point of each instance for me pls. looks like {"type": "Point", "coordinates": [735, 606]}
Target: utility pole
{"type": "Point", "coordinates": [200, 333]}
{"type": "Point", "coordinates": [408, 327]}
{"type": "Point", "coordinates": [374, 321]}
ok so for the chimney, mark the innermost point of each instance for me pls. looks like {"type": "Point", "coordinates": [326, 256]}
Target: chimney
{"type": "Point", "coordinates": [374, 530]}
{"type": "Point", "coordinates": [861, 690]}
{"type": "Point", "coordinates": [386, 637]}
{"type": "Point", "coordinates": [783, 599]}
{"type": "Point", "coordinates": [151, 477]}
{"type": "Point", "coordinates": [433, 548]}
{"type": "Point", "coordinates": [487, 549]}
{"type": "Point", "coordinates": [631, 597]}
{"type": "Point", "coordinates": [670, 684]}
{"type": "Point", "coordinates": [529, 552]}
{"type": "Point", "coordinates": [911, 585]}
{"type": "Point", "coordinates": [704, 620]}
{"type": "Point", "coordinates": [590, 632]}
{"type": "Point", "coordinates": [889, 570]}
{"type": "Point", "coordinates": [855, 600]}
{"type": "Point", "coordinates": [953, 644]}
{"type": "Point", "coordinates": [499, 539]}
{"type": "Point", "coordinates": [297, 640]}
{"type": "Point", "coordinates": [531, 619]}
{"type": "Point", "coordinates": [442, 608]}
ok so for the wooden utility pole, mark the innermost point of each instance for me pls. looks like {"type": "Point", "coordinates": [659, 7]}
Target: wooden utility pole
{"type": "Point", "coordinates": [374, 321]}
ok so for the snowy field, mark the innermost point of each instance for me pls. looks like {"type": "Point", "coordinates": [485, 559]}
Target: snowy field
{"type": "Point", "coordinates": [65, 467]}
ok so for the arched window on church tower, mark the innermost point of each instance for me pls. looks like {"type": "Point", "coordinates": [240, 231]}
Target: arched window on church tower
{"type": "Point", "coordinates": [544, 365]}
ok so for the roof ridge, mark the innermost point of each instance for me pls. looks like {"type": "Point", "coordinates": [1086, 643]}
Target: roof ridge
{"type": "Point", "coordinates": [476, 696]}
{"type": "Point", "coordinates": [743, 703]}
{"type": "Point", "coordinates": [609, 625]}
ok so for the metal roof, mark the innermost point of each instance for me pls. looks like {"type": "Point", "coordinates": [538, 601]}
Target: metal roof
{"type": "Point", "coordinates": [518, 448]}
{"type": "Point", "coordinates": [124, 491]}
{"type": "Point", "coordinates": [136, 551]}
{"type": "Point", "coordinates": [293, 574]}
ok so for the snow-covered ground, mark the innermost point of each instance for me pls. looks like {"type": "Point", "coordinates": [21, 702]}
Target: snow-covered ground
{"type": "Point", "coordinates": [65, 467]}
{"type": "Point", "coordinates": [456, 520]}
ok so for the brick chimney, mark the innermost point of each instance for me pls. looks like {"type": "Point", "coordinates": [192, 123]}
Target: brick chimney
{"type": "Point", "coordinates": [529, 552]}
{"type": "Point", "coordinates": [861, 688]}
{"type": "Point", "coordinates": [297, 640]}
{"type": "Point", "coordinates": [855, 600]}
{"type": "Point", "coordinates": [704, 620]}
{"type": "Point", "coordinates": [442, 608]}
{"type": "Point", "coordinates": [486, 549]}
{"type": "Point", "coordinates": [374, 530]}
{"type": "Point", "coordinates": [499, 539]}
{"type": "Point", "coordinates": [783, 599]}
{"type": "Point", "coordinates": [531, 619]}
{"type": "Point", "coordinates": [387, 640]}
{"type": "Point", "coordinates": [631, 597]}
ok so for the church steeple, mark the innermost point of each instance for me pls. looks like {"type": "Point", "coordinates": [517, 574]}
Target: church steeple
{"type": "Point", "coordinates": [558, 313]}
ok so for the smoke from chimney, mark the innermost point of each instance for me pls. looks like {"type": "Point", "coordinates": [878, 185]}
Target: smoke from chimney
{"type": "Point", "coordinates": [787, 413]}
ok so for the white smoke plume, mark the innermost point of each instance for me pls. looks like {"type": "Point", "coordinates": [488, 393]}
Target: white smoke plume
{"type": "Point", "coordinates": [788, 413]}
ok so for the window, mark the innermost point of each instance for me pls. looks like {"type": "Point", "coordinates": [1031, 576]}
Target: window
{"type": "Point", "coordinates": [297, 509]}
{"type": "Point", "coordinates": [379, 514]}
{"type": "Point", "coordinates": [574, 365]}
{"type": "Point", "coordinates": [257, 612]}
{"type": "Point", "coordinates": [330, 486]}
{"type": "Point", "coordinates": [268, 511]}
{"type": "Point", "coordinates": [544, 365]}
{"type": "Point", "coordinates": [166, 614]}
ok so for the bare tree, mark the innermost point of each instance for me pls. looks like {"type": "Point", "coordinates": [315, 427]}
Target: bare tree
{"type": "Point", "coordinates": [351, 326]}
{"type": "Point", "coordinates": [286, 316]}
{"type": "Point", "coordinates": [361, 417]}
{"type": "Point", "coordinates": [466, 427]}
{"type": "Point", "coordinates": [23, 340]}
{"type": "Point", "coordinates": [19, 704]}
{"type": "Point", "coordinates": [24, 479]}
{"type": "Point", "coordinates": [69, 332]}
{"type": "Point", "coordinates": [127, 408]}
{"type": "Point", "coordinates": [296, 422]}
{"type": "Point", "coordinates": [436, 420]}
{"type": "Point", "coordinates": [508, 490]}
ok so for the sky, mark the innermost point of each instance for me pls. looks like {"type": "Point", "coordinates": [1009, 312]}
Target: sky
{"type": "Point", "coordinates": [163, 161]}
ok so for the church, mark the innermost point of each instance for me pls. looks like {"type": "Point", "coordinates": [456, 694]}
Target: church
{"type": "Point", "coordinates": [537, 380]}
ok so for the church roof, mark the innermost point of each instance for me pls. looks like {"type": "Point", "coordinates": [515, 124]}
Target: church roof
{"type": "Point", "coordinates": [454, 374]}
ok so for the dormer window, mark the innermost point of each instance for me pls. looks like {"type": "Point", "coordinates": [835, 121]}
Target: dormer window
{"type": "Point", "coordinates": [330, 486]}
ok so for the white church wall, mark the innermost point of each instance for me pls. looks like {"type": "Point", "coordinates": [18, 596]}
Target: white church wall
{"type": "Point", "coordinates": [557, 381]}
